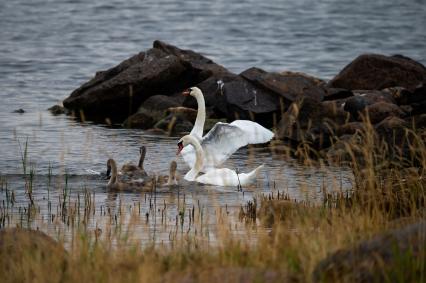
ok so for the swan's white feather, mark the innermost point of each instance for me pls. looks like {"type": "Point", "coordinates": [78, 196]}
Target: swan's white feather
{"type": "Point", "coordinates": [226, 177]}
{"type": "Point", "coordinates": [188, 155]}
{"type": "Point", "coordinates": [224, 139]}
{"type": "Point", "coordinates": [253, 132]}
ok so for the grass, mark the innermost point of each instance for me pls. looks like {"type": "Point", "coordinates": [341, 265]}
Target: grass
{"type": "Point", "coordinates": [389, 193]}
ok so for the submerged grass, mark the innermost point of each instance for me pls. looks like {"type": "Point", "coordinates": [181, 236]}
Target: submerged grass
{"type": "Point", "coordinates": [389, 193]}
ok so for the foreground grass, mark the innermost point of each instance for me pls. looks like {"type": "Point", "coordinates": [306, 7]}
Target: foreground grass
{"type": "Point", "coordinates": [303, 237]}
{"type": "Point", "coordinates": [387, 196]}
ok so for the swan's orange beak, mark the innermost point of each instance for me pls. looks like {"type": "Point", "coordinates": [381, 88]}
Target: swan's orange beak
{"type": "Point", "coordinates": [180, 147]}
{"type": "Point", "coordinates": [186, 92]}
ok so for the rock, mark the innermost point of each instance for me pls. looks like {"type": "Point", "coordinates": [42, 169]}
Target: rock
{"type": "Point", "coordinates": [307, 114]}
{"type": "Point", "coordinates": [397, 92]}
{"type": "Point", "coordinates": [297, 118]}
{"type": "Point", "coordinates": [144, 119]}
{"type": "Point", "coordinates": [185, 112]}
{"type": "Point", "coordinates": [174, 124]}
{"type": "Point", "coordinates": [417, 122]}
{"type": "Point", "coordinates": [345, 149]}
{"type": "Point", "coordinates": [320, 136]}
{"type": "Point", "coordinates": [253, 74]}
{"type": "Point", "coordinates": [201, 66]}
{"type": "Point", "coordinates": [57, 110]}
{"type": "Point", "coordinates": [314, 80]}
{"type": "Point", "coordinates": [355, 106]}
{"type": "Point", "coordinates": [380, 110]}
{"type": "Point", "coordinates": [261, 96]}
{"type": "Point", "coordinates": [213, 92]}
{"type": "Point", "coordinates": [152, 110]}
{"type": "Point", "coordinates": [333, 112]}
{"type": "Point", "coordinates": [245, 100]}
{"type": "Point", "coordinates": [323, 131]}
{"type": "Point", "coordinates": [414, 101]}
{"type": "Point", "coordinates": [390, 124]}
{"type": "Point", "coordinates": [373, 71]}
{"type": "Point", "coordinates": [163, 69]}
{"type": "Point", "coordinates": [418, 108]}
{"type": "Point", "coordinates": [20, 111]}
{"type": "Point", "coordinates": [350, 128]}
{"type": "Point", "coordinates": [236, 98]}
{"type": "Point", "coordinates": [161, 102]}
{"type": "Point", "coordinates": [404, 96]}
{"type": "Point", "coordinates": [379, 259]}
{"type": "Point", "coordinates": [337, 93]}
{"type": "Point", "coordinates": [121, 94]}
{"type": "Point", "coordinates": [407, 109]}
{"type": "Point", "coordinates": [288, 85]}
{"type": "Point", "coordinates": [373, 96]}
{"type": "Point", "coordinates": [33, 252]}
{"type": "Point", "coordinates": [393, 131]}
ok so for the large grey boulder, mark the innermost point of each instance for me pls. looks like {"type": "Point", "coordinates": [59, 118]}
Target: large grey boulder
{"type": "Point", "coordinates": [381, 110]}
{"type": "Point", "coordinates": [356, 104]}
{"type": "Point", "coordinates": [234, 97]}
{"type": "Point", "coordinates": [151, 111]}
{"type": "Point", "coordinates": [290, 86]}
{"type": "Point", "coordinates": [308, 120]}
{"type": "Point", "coordinates": [415, 99]}
{"type": "Point", "coordinates": [163, 69]}
{"type": "Point", "coordinates": [373, 71]}
{"type": "Point", "coordinates": [120, 90]}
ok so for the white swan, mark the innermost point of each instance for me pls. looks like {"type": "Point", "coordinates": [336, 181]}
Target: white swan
{"type": "Point", "coordinates": [223, 139]}
{"type": "Point", "coordinates": [218, 177]}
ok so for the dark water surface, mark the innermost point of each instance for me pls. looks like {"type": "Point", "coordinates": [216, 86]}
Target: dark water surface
{"type": "Point", "coordinates": [48, 48]}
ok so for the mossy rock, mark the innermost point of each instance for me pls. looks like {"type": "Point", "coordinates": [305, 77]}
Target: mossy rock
{"type": "Point", "coordinates": [143, 119]}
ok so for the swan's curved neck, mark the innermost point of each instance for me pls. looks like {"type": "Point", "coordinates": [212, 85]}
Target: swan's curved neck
{"type": "Point", "coordinates": [113, 179]}
{"type": "Point", "coordinates": [197, 131]}
{"type": "Point", "coordinates": [199, 156]}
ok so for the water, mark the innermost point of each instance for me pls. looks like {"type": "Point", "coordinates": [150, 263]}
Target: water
{"type": "Point", "coordinates": [49, 48]}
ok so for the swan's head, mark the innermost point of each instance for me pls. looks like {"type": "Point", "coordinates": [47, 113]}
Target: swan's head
{"type": "Point", "coordinates": [180, 146]}
{"type": "Point", "coordinates": [182, 143]}
{"type": "Point", "coordinates": [192, 91]}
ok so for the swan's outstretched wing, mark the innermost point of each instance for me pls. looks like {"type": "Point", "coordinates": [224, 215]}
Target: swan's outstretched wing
{"type": "Point", "coordinates": [253, 132]}
{"type": "Point", "coordinates": [215, 146]}
{"type": "Point", "coordinates": [224, 139]}
{"type": "Point", "coordinates": [220, 143]}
